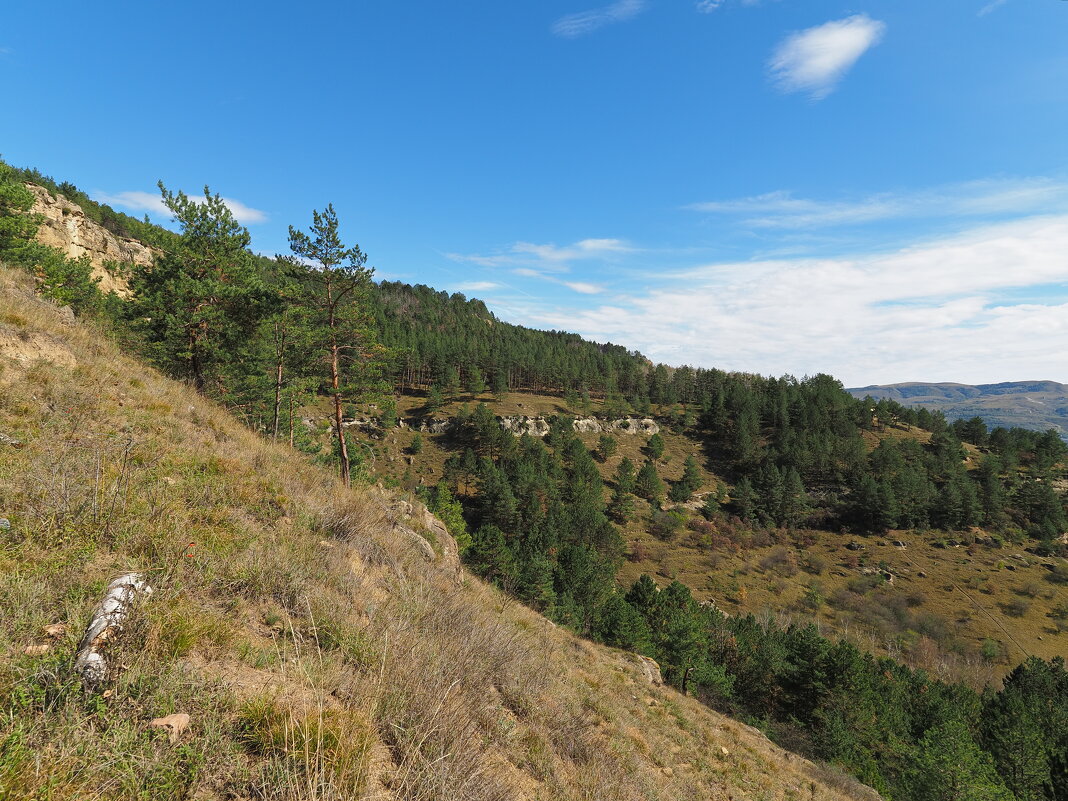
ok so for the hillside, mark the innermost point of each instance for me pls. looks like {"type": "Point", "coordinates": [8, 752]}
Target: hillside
{"type": "Point", "coordinates": [1035, 405]}
{"type": "Point", "coordinates": [963, 605]}
{"type": "Point", "coordinates": [771, 511]}
{"type": "Point", "coordinates": [319, 647]}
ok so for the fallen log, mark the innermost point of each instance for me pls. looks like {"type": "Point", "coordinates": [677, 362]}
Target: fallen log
{"type": "Point", "coordinates": [107, 622]}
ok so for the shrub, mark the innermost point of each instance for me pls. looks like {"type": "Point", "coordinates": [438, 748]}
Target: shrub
{"type": "Point", "coordinates": [781, 560]}
{"type": "Point", "coordinates": [1017, 607]}
{"type": "Point", "coordinates": [666, 524]}
{"type": "Point", "coordinates": [1059, 573]}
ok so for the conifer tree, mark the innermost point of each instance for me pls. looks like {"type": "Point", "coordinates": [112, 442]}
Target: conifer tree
{"type": "Point", "coordinates": [648, 484]}
{"type": "Point", "coordinates": [625, 476]}
{"type": "Point", "coordinates": [949, 766]}
{"type": "Point", "coordinates": [655, 447]}
{"type": "Point", "coordinates": [199, 304]}
{"type": "Point", "coordinates": [17, 226]}
{"type": "Point", "coordinates": [340, 285]}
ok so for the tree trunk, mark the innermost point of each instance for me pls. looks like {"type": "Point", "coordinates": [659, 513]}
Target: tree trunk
{"type": "Point", "coordinates": [109, 618]}
{"type": "Point", "coordinates": [335, 384]}
{"type": "Point", "coordinates": [279, 353]}
{"type": "Point", "coordinates": [277, 398]}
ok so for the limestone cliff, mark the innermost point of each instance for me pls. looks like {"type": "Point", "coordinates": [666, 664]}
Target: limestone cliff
{"type": "Point", "coordinates": [64, 226]}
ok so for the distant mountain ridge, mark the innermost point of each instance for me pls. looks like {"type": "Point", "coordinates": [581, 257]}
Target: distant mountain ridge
{"type": "Point", "coordinates": [1037, 405]}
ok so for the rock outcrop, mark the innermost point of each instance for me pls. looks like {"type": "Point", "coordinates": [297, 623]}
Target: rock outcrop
{"type": "Point", "coordinates": [539, 426]}
{"type": "Point", "coordinates": [521, 424]}
{"type": "Point", "coordinates": [424, 531]}
{"type": "Point", "coordinates": [64, 226]}
{"type": "Point", "coordinates": [650, 670]}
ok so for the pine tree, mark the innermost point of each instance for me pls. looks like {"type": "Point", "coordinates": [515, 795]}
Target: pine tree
{"type": "Point", "coordinates": [17, 225]}
{"type": "Point", "coordinates": [606, 447]}
{"type": "Point", "coordinates": [434, 399]}
{"type": "Point", "coordinates": [648, 484]}
{"type": "Point", "coordinates": [199, 305]}
{"type": "Point", "coordinates": [491, 557]}
{"type": "Point", "coordinates": [339, 290]}
{"type": "Point", "coordinates": [655, 447]}
{"type": "Point", "coordinates": [624, 476]}
{"type": "Point", "coordinates": [682, 489]}
{"type": "Point", "coordinates": [949, 766]}
{"type": "Point", "coordinates": [621, 625]}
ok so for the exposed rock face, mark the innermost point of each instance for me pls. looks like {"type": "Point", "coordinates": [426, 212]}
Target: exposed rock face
{"type": "Point", "coordinates": [408, 519]}
{"type": "Point", "coordinates": [436, 426]}
{"type": "Point", "coordinates": [522, 424]}
{"type": "Point", "coordinates": [649, 668]}
{"type": "Point", "coordinates": [633, 425]}
{"type": "Point", "coordinates": [539, 426]}
{"type": "Point", "coordinates": [66, 227]}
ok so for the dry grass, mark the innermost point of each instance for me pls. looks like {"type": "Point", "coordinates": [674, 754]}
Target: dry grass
{"type": "Point", "coordinates": [319, 655]}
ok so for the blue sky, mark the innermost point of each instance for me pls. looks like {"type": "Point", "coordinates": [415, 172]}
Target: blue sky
{"type": "Point", "coordinates": [873, 188]}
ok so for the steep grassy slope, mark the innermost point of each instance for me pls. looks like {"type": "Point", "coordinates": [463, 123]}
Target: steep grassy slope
{"type": "Point", "coordinates": [317, 650]}
{"type": "Point", "coordinates": [1037, 405]}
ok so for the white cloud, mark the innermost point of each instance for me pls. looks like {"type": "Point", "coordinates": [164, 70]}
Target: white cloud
{"type": "Point", "coordinates": [584, 22]}
{"type": "Point", "coordinates": [783, 210]}
{"type": "Point", "coordinates": [478, 286]}
{"type": "Point", "coordinates": [534, 259]}
{"type": "Point", "coordinates": [152, 203]}
{"type": "Point", "coordinates": [134, 201]}
{"type": "Point", "coordinates": [708, 6]}
{"type": "Point", "coordinates": [993, 5]}
{"type": "Point", "coordinates": [815, 60]}
{"type": "Point", "coordinates": [583, 287]}
{"type": "Point", "coordinates": [941, 310]}
{"type": "Point", "coordinates": [246, 215]}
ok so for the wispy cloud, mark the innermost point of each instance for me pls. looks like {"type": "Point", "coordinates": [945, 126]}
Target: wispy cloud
{"type": "Point", "coordinates": [478, 286]}
{"type": "Point", "coordinates": [584, 22]}
{"type": "Point", "coordinates": [782, 209]}
{"type": "Point", "coordinates": [815, 60]}
{"type": "Point", "coordinates": [708, 6]}
{"type": "Point", "coordinates": [583, 287]}
{"type": "Point", "coordinates": [939, 310]}
{"type": "Point", "coordinates": [135, 200]}
{"type": "Point", "coordinates": [993, 5]}
{"type": "Point", "coordinates": [531, 259]}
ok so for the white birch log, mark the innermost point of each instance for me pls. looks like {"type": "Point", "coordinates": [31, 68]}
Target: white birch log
{"type": "Point", "coordinates": [107, 622]}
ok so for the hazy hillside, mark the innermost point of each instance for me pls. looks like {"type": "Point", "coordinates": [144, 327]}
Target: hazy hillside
{"type": "Point", "coordinates": [1036, 405]}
